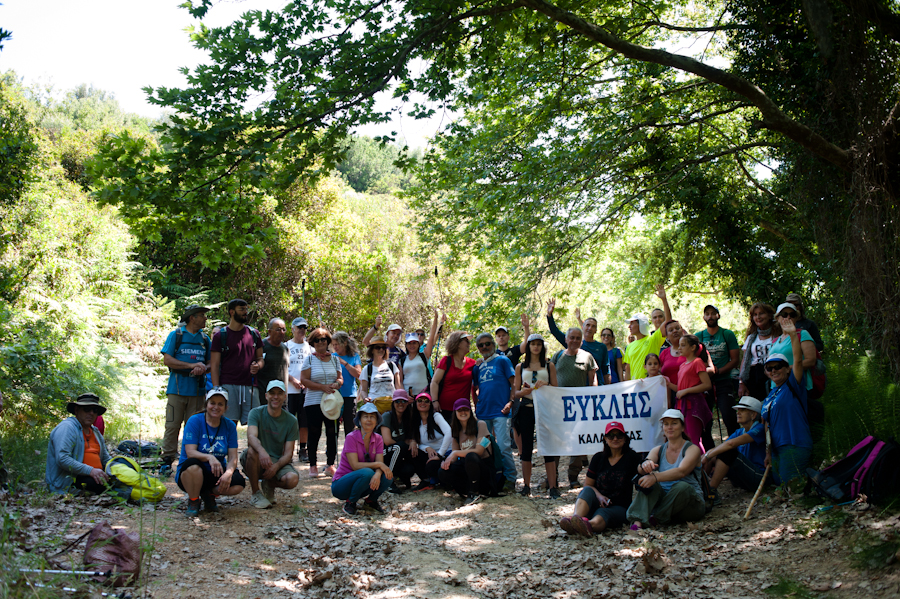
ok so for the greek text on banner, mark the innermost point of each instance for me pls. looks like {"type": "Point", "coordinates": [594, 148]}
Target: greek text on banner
{"type": "Point", "coordinates": [571, 420]}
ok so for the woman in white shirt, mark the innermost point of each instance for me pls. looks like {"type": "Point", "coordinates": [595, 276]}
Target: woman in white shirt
{"type": "Point", "coordinates": [321, 374]}
{"type": "Point", "coordinates": [761, 333]}
{"type": "Point", "coordinates": [380, 377]}
{"type": "Point", "coordinates": [431, 441]}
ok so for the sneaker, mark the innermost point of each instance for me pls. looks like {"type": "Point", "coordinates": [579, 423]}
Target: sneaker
{"type": "Point", "coordinates": [313, 472]}
{"type": "Point", "coordinates": [372, 504]}
{"type": "Point", "coordinates": [471, 500]}
{"type": "Point", "coordinates": [554, 493]}
{"type": "Point", "coordinates": [716, 499]}
{"type": "Point", "coordinates": [193, 508]}
{"type": "Point", "coordinates": [423, 486]}
{"type": "Point", "coordinates": [259, 501]}
{"type": "Point", "coordinates": [349, 508]}
{"type": "Point", "coordinates": [526, 491]}
{"type": "Point", "coordinates": [573, 483]}
{"type": "Point", "coordinates": [636, 528]}
{"type": "Point", "coordinates": [165, 471]}
{"type": "Point", "coordinates": [394, 489]}
{"type": "Point", "coordinates": [329, 472]}
{"type": "Point", "coordinates": [268, 491]}
{"type": "Point", "coordinates": [209, 503]}
{"type": "Point", "coordinates": [566, 524]}
{"type": "Point", "coordinates": [509, 487]}
{"type": "Point", "coordinates": [581, 526]}
{"type": "Point", "coordinates": [302, 455]}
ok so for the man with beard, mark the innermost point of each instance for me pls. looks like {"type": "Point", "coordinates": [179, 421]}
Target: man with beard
{"type": "Point", "coordinates": [276, 357]}
{"type": "Point", "coordinates": [236, 357]}
{"type": "Point", "coordinates": [725, 353]}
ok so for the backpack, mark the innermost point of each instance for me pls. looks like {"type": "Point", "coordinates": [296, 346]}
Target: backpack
{"type": "Point", "coordinates": [179, 339]}
{"type": "Point", "coordinates": [138, 449]}
{"type": "Point", "coordinates": [868, 469]}
{"type": "Point", "coordinates": [428, 372]}
{"type": "Point", "coordinates": [131, 482]}
{"type": "Point", "coordinates": [223, 337]}
{"type": "Point", "coordinates": [702, 477]}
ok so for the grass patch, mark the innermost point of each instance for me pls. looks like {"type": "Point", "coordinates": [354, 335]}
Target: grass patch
{"type": "Point", "coordinates": [790, 588]}
{"type": "Point", "coordinates": [873, 553]}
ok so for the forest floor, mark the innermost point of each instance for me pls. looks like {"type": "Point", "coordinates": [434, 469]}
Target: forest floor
{"type": "Point", "coordinates": [428, 545]}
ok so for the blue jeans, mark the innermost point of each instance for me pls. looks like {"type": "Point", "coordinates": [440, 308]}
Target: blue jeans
{"type": "Point", "coordinates": [354, 485]}
{"type": "Point", "coordinates": [499, 427]}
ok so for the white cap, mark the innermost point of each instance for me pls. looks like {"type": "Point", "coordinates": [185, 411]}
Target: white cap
{"type": "Point", "coordinates": [749, 403]}
{"type": "Point", "coordinates": [643, 323]}
{"type": "Point", "coordinates": [535, 337]}
{"type": "Point", "coordinates": [673, 413]}
{"type": "Point", "coordinates": [217, 391]}
{"type": "Point", "coordinates": [394, 327]}
{"type": "Point", "coordinates": [501, 328]}
{"type": "Point", "coordinates": [777, 358]}
{"type": "Point", "coordinates": [787, 305]}
{"type": "Point", "coordinates": [412, 337]}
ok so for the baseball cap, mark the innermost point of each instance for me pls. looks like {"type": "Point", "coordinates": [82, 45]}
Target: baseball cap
{"type": "Point", "coordinates": [672, 413]}
{"type": "Point", "coordinates": [786, 305]}
{"type": "Point", "coordinates": [777, 358]}
{"type": "Point", "coordinates": [708, 306]}
{"type": "Point", "coordinates": [461, 404]}
{"type": "Point", "coordinates": [400, 394]}
{"type": "Point", "coordinates": [412, 337]}
{"type": "Point", "coordinates": [535, 337]}
{"type": "Point", "coordinates": [217, 391]}
{"type": "Point", "coordinates": [299, 322]}
{"type": "Point", "coordinates": [276, 384]}
{"type": "Point", "coordinates": [501, 328]}
{"type": "Point", "coordinates": [643, 323]}
{"type": "Point", "coordinates": [394, 327]}
{"type": "Point", "coordinates": [615, 426]}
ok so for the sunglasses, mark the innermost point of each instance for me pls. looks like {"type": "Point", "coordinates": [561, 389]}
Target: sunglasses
{"type": "Point", "coordinates": [485, 345]}
{"type": "Point", "coordinates": [423, 400]}
{"type": "Point", "coordinates": [92, 409]}
{"type": "Point", "coordinates": [775, 367]}
{"type": "Point", "coordinates": [615, 436]}
{"type": "Point", "coordinates": [788, 315]}
{"type": "Point", "coordinates": [381, 347]}
{"type": "Point", "coordinates": [533, 377]}
{"type": "Point", "coordinates": [401, 402]}
{"type": "Point", "coordinates": [314, 341]}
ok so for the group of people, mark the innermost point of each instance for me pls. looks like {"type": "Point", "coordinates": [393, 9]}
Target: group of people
{"type": "Point", "coordinates": [454, 424]}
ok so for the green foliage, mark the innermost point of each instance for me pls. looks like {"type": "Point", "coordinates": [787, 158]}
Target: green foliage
{"type": "Point", "coordinates": [18, 143]}
{"type": "Point", "coordinates": [369, 166]}
{"type": "Point", "coordinates": [872, 553]}
{"type": "Point", "coordinates": [790, 588]}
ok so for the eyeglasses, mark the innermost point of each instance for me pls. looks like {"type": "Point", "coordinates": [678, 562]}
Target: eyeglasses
{"type": "Point", "coordinates": [614, 436]}
{"type": "Point", "coordinates": [774, 367]}
{"type": "Point", "coordinates": [485, 345]}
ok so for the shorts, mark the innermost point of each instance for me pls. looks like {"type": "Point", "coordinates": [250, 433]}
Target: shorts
{"type": "Point", "coordinates": [287, 468]}
{"type": "Point", "coordinates": [209, 479]}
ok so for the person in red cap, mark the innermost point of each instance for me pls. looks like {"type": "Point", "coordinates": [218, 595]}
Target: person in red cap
{"type": "Point", "coordinates": [606, 495]}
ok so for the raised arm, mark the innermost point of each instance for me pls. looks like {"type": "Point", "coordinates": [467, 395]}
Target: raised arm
{"type": "Point", "coordinates": [554, 330]}
{"type": "Point", "coordinates": [432, 335]}
{"type": "Point", "coordinates": [372, 330]}
{"type": "Point", "coordinates": [661, 294]}
{"type": "Point", "coordinates": [788, 327]}
{"type": "Point", "coordinates": [523, 347]}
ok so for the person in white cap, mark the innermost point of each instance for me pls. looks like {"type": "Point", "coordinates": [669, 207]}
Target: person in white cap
{"type": "Point", "coordinates": [391, 336]}
{"type": "Point", "coordinates": [271, 435]}
{"type": "Point", "coordinates": [669, 484]}
{"type": "Point", "coordinates": [741, 457]}
{"type": "Point", "coordinates": [415, 362]}
{"type": "Point", "coordinates": [789, 313]}
{"type": "Point", "coordinates": [644, 343]}
{"type": "Point", "coordinates": [299, 349]}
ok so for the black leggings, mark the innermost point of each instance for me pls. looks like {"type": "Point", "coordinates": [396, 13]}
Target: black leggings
{"type": "Point", "coordinates": [469, 475]}
{"type": "Point", "coordinates": [348, 415]}
{"type": "Point", "coordinates": [89, 485]}
{"type": "Point", "coordinates": [400, 461]}
{"type": "Point", "coordinates": [525, 426]}
{"type": "Point", "coordinates": [424, 469]}
{"type": "Point", "coordinates": [315, 421]}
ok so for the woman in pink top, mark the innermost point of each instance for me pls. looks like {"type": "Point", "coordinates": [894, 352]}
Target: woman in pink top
{"type": "Point", "coordinates": [362, 472]}
{"type": "Point", "coordinates": [693, 381]}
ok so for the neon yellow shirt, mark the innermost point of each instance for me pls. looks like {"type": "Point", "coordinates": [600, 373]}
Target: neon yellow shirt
{"type": "Point", "coordinates": [637, 351]}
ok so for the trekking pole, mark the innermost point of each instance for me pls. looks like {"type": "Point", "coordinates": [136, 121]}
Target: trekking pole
{"type": "Point", "coordinates": [303, 301]}
{"type": "Point", "coordinates": [378, 287]}
{"type": "Point", "coordinates": [758, 491]}
{"type": "Point", "coordinates": [73, 572]}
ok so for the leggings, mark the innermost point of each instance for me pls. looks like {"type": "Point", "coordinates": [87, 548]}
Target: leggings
{"type": "Point", "coordinates": [469, 475]}
{"type": "Point", "coordinates": [400, 461]}
{"type": "Point", "coordinates": [315, 421]}
{"type": "Point", "coordinates": [348, 415]}
{"type": "Point", "coordinates": [525, 426]}
{"type": "Point", "coordinates": [424, 469]}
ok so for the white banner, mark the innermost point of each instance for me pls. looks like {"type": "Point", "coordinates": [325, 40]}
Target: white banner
{"type": "Point", "coordinates": [571, 420]}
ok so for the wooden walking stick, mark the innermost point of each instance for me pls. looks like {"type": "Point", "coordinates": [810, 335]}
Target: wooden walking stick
{"type": "Point", "coordinates": [758, 491]}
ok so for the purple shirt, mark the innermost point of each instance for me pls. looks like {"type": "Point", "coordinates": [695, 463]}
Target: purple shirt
{"type": "Point", "coordinates": [353, 443]}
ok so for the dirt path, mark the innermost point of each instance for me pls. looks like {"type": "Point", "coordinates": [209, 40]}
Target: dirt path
{"type": "Point", "coordinates": [429, 546]}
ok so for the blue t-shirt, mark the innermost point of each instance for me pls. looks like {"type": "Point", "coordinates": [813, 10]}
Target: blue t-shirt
{"type": "Point", "coordinates": [785, 410]}
{"type": "Point", "coordinates": [614, 355]}
{"type": "Point", "coordinates": [492, 381]}
{"type": "Point", "coordinates": [215, 440]}
{"type": "Point", "coordinates": [755, 451]}
{"type": "Point", "coordinates": [348, 389]}
{"type": "Point", "coordinates": [191, 350]}
{"type": "Point", "coordinates": [601, 356]}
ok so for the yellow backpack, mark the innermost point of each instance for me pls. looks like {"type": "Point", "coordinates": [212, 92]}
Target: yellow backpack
{"type": "Point", "coordinates": [134, 483]}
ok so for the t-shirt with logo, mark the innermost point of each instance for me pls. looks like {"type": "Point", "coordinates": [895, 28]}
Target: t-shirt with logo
{"type": "Point", "coordinates": [380, 379]}
{"type": "Point", "coordinates": [273, 432]}
{"type": "Point", "coordinates": [235, 365]}
{"type": "Point", "coordinates": [298, 353]}
{"type": "Point", "coordinates": [491, 378]}
{"type": "Point", "coordinates": [214, 440]}
{"type": "Point", "coordinates": [719, 347]}
{"type": "Point", "coordinates": [759, 349]}
{"type": "Point", "coordinates": [193, 351]}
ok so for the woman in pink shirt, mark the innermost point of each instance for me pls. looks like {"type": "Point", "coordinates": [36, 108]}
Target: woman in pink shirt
{"type": "Point", "coordinates": [362, 471]}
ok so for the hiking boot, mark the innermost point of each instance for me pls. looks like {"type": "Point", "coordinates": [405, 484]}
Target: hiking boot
{"type": "Point", "coordinates": [209, 503]}
{"type": "Point", "coordinates": [165, 469]}
{"type": "Point", "coordinates": [372, 504]}
{"type": "Point", "coordinates": [349, 508]}
{"type": "Point", "coordinates": [716, 499]}
{"type": "Point", "coordinates": [566, 524]}
{"type": "Point", "coordinates": [526, 491]}
{"type": "Point", "coordinates": [268, 491]}
{"type": "Point", "coordinates": [394, 489]}
{"type": "Point", "coordinates": [554, 493]}
{"type": "Point", "coordinates": [581, 526]}
{"type": "Point", "coordinates": [193, 508]}
{"type": "Point", "coordinates": [259, 501]}
{"type": "Point", "coordinates": [302, 455]}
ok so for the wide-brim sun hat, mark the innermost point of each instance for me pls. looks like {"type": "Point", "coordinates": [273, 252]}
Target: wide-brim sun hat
{"type": "Point", "coordinates": [332, 405]}
{"type": "Point", "coordinates": [377, 340]}
{"type": "Point", "coordinates": [85, 400]}
{"type": "Point", "coordinates": [367, 408]}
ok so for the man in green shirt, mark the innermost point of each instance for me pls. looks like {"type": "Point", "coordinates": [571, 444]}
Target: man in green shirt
{"type": "Point", "coordinates": [271, 434]}
{"type": "Point", "coordinates": [725, 353]}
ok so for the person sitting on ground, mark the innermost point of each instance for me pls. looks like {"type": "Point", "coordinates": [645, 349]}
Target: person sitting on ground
{"type": "Point", "coordinates": [784, 411]}
{"type": "Point", "coordinates": [362, 471]}
{"type": "Point", "coordinates": [742, 456]}
{"type": "Point", "coordinates": [396, 431]}
{"type": "Point", "coordinates": [430, 443]}
{"type": "Point", "coordinates": [270, 438]}
{"type": "Point", "coordinates": [644, 343]}
{"type": "Point", "coordinates": [534, 372]}
{"type": "Point", "coordinates": [606, 495]}
{"type": "Point", "coordinates": [669, 485]}
{"type": "Point", "coordinates": [469, 469]}
{"type": "Point", "coordinates": [453, 376]}
{"type": "Point", "coordinates": [693, 382]}
{"type": "Point", "coordinates": [76, 452]}
{"type": "Point", "coordinates": [380, 378]}
{"type": "Point", "coordinates": [207, 467]}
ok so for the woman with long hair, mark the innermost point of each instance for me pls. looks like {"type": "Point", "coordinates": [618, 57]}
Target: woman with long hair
{"type": "Point", "coordinates": [347, 351]}
{"type": "Point", "coordinates": [453, 376]}
{"type": "Point", "coordinates": [616, 369]}
{"type": "Point", "coordinates": [321, 374]}
{"type": "Point", "coordinates": [606, 495]}
{"type": "Point", "coordinates": [669, 483]}
{"type": "Point", "coordinates": [761, 333]}
{"type": "Point", "coordinates": [397, 431]}
{"type": "Point", "coordinates": [534, 372]}
{"type": "Point", "coordinates": [431, 441]}
{"type": "Point", "coordinates": [469, 468]}
{"type": "Point", "coordinates": [380, 378]}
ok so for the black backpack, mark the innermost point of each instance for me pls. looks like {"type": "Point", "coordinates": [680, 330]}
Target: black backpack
{"type": "Point", "coordinates": [869, 469]}
{"type": "Point", "coordinates": [179, 339]}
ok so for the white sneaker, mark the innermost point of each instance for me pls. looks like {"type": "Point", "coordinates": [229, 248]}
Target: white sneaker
{"type": "Point", "coordinates": [259, 501]}
{"type": "Point", "coordinates": [268, 491]}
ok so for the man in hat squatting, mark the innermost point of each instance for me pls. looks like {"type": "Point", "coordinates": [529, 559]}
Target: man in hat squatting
{"type": "Point", "coordinates": [186, 355]}
{"type": "Point", "coordinates": [76, 452]}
